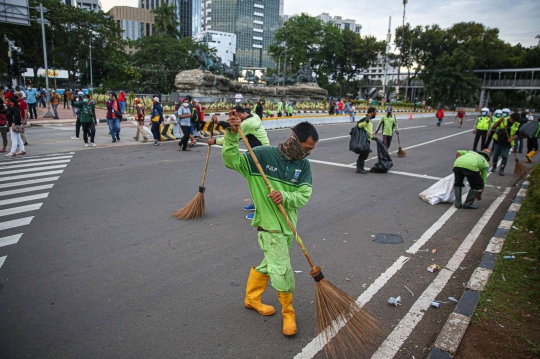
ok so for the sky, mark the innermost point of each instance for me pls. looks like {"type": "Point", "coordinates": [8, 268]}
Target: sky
{"type": "Point", "coordinates": [517, 20]}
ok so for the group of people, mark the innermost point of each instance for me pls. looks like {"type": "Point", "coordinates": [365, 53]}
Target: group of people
{"type": "Point", "coordinates": [14, 112]}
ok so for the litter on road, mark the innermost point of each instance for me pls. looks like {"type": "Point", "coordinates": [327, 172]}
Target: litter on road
{"type": "Point", "coordinates": [433, 268]}
{"type": "Point", "coordinates": [394, 301]}
{"type": "Point", "coordinates": [453, 299]}
{"type": "Point", "coordinates": [409, 290]}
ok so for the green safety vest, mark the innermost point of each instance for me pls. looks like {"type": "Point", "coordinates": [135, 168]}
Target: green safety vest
{"type": "Point", "coordinates": [483, 123]}
{"type": "Point", "coordinates": [503, 124]}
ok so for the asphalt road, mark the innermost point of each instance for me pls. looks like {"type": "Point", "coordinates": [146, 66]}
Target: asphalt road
{"type": "Point", "coordinates": [102, 270]}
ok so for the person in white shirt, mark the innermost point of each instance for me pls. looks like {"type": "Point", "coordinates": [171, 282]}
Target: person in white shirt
{"type": "Point", "coordinates": [238, 98]}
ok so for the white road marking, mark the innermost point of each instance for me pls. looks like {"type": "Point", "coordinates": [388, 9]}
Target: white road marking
{"type": "Point", "coordinates": [43, 156]}
{"type": "Point", "coordinates": [26, 189]}
{"type": "Point", "coordinates": [21, 209]}
{"type": "Point", "coordinates": [33, 169]}
{"type": "Point", "coordinates": [15, 223]}
{"type": "Point", "coordinates": [318, 343]}
{"type": "Point", "coordinates": [23, 199]}
{"type": "Point", "coordinates": [6, 241]}
{"type": "Point", "coordinates": [2, 260]}
{"type": "Point", "coordinates": [331, 163]}
{"type": "Point", "coordinates": [395, 340]}
{"type": "Point", "coordinates": [35, 160]}
{"type": "Point", "coordinates": [22, 165]}
{"type": "Point", "coordinates": [30, 175]}
{"type": "Point", "coordinates": [415, 175]}
{"type": "Point", "coordinates": [64, 128]}
{"type": "Point", "coordinates": [448, 123]}
{"type": "Point", "coordinates": [29, 182]}
{"type": "Point", "coordinates": [335, 138]}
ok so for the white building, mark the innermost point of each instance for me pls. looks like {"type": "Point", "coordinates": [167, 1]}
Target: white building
{"type": "Point", "coordinates": [223, 42]}
{"type": "Point", "coordinates": [341, 23]}
{"type": "Point", "coordinates": [94, 5]}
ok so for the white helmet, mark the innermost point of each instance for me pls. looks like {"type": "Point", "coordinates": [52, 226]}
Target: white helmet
{"type": "Point", "coordinates": [506, 111]}
{"type": "Point", "coordinates": [484, 111]}
{"type": "Point", "coordinates": [497, 112]}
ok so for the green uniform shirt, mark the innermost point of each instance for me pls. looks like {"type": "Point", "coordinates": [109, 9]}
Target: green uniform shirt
{"type": "Point", "coordinates": [280, 106]}
{"type": "Point", "coordinates": [291, 178]}
{"type": "Point", "coordinates": [502, 125]}
{"type": "Point", "coordinates": [251, 126]}
{"type": "Point", "coordinates": [368, 127]}
{"type": "Point", "coordinates": [88, 113]}
{"type": "Point", "coordinates": [483, 123]}
{"type": "Point", "coordinates": [388, 124]}
{"type": "Point", "coordinates": [473, 162]}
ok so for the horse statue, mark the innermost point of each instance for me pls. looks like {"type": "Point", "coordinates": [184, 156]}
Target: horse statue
{"type": "Point", "coordinates": [305, 74]}
{"type": "Point", "coordinates": [251, 77]}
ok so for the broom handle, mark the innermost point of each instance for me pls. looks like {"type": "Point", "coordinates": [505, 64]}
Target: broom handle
{"type": "Point", "coordinates": [280, 206]}
{"type": "Point", "coordinates": [208, 154]}
{"type": "Point", "coordinates": [508, 135]}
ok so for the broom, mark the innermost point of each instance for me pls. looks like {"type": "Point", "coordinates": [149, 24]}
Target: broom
{"type": "Point", "coordinates": [520, 170]}
{"type": "Point", "coordinates": [400, 152]}
{"type": "Point", "coordinates": [335, 309]}
{"type": "Point", "coordinates": [195, 207]}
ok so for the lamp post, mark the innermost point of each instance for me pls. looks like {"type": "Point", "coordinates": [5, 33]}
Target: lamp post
{"type": "Point", "coordinates": [279, 61]}
{"type": "Point", "coordinates": [48, 114]}
{"type": "Point", "coordinates": [401, 50]}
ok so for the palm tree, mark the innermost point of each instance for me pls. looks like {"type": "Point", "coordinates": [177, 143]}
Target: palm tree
{"type": "Point", "coordinates": [166, 22]}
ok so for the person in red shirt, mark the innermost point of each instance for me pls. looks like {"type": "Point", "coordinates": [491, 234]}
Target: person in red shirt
{"type": "Point", "coordinates": [460, 115]}
{"type": "Point", "coordinates": [340, 106]}
{"type": "Point", "coordinates": [114, 116]}
{"type": "Point", "coordinates": [23, 108]}
{"type": "Point", "coordinates": [122, 101]}
{"type": "Point", "coordinates": [440, 116]}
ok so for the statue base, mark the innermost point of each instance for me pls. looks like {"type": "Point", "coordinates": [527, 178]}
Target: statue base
{"type": "Point", "coordinates": [203, 84]}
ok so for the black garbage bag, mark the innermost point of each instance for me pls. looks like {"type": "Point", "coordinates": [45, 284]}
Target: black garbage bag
{"type": "Point", "coordinates": [385, 162]}
{"type": "Point", "coordinates": [359, 142]}
{"type": "Point", "coordinates": [528, 130]}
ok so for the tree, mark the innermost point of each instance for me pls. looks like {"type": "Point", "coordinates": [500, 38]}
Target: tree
{"type": "Point", "coordinates": [166, 22]}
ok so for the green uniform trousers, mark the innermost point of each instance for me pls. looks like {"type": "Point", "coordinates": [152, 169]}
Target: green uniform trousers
{"type": "Point", "coordinates": [276, 262]}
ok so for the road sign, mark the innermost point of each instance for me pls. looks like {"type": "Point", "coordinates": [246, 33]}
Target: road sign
{"type": "Point", "coordinates": [15, 12]}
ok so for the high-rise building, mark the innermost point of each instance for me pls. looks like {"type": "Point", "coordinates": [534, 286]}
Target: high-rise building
{"type": "Point", "coordinates": [254, 22]}
{"type": "Point", "coordinates": [341, 23]}
{"type": "Point", "coordinates": [94, 5]}
{"type": "Point", "coordinates": [223, 42]}
{"type": "Point", "coordinates": [134, 22]}
{"type": "Point", "coordinates": [188, 13]}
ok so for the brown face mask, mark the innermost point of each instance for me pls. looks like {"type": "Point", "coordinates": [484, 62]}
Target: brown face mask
{"type": "Point", "coordinates": [292, 149]}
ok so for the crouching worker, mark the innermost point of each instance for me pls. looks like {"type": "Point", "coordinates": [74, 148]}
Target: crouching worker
{"type": "Point", "coordinates": [475, 166]}
{"type": "Point", "coordinates": [289, 174]}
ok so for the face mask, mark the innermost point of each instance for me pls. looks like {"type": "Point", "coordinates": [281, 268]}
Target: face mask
{"type": "Point", "coordinates": [389, 114]}
{"type": "Point", "coordinates": [483, 113]}
{"type": "Point", "coordinates": [85, 100]}
{"type": "Point", "coordinates": [53, 91]}
{"type": "Point", "coordinates": [186, 105]}
{"type": "Point", "coordinates": [498, 115]}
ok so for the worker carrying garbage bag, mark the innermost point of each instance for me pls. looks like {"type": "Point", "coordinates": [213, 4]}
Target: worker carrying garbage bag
{"type": "Point", "coordinates": [475, 166]}
{"type": "Point", "coordinates": [385, 162]}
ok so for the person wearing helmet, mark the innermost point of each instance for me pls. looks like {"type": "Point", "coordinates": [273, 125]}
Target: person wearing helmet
{"type": "Point", "coordinates": [496, 116]}
{"type": "Point", "coordinates": [474, 165]}
{"type": "Point", "coordinates": [481, 127]}
{"type": "Point", "coordinates": [532, 143]}
{"type": "Point", "coordinates": [505, 132]}
{"type": "Point", "coordinates": [389, 123]}
{"type": "Point", "coordinates": [460, 115]}
{"type": "Point", "coordinates": [139, 117]}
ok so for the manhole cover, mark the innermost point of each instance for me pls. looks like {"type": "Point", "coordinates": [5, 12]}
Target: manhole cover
{"type": "Point", "coordinates": [384, 238]}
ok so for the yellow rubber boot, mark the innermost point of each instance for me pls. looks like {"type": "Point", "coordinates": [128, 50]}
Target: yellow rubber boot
{"type": "Point", "coordinates": [530, 155]}
{"type": "Point", "coordinates": [255, 287]}
{"type": "Point", "coordinates": [289, 315]}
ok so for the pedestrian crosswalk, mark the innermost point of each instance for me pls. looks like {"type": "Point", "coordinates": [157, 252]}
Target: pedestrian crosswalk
{"type": "Point", "coordinates": [22, 180]}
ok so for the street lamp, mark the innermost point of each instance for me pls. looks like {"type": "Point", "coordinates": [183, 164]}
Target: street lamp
{"type": "Point", "coordinates": [41, 9]}
{"type": "Point", "coordinates": [279, 65]}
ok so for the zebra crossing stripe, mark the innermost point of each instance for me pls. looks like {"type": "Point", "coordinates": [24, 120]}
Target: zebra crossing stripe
{"type": "Point", "coordinates": [43, 156]}
{"type": "Point", "coordinates": [6, 241]}
{"type": "Point", "coordinates": [22, 165]}
{"type": "Point", "coordinates": [15, 223]}
{"type": "Point", "coordinates": [2, 260]}
{"type": "Point", "coordinates": [12, 162]}
{"type": "Point", "coordinates": [30, 182]}
{"type": "Point", "coordinates": [30, 175]}
{"type": "Point", "coordinates": [24, 199]}
{"type": "Point", "coordinates": [27, 189]}
{"type": "Point", "coordinates": [21, 209]}
{"type": "Point", "coordinates": [33, 169]}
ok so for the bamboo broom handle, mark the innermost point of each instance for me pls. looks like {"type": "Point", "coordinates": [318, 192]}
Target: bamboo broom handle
{"type": "Point", "coordinates": [207, 154]}
{"type": "Point", "coordinates": [281, 209]}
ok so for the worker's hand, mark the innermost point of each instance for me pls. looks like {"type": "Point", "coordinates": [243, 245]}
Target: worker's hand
{"type": "Point", "coordinates": [276, 197]}
{"type": "Point", "coordinates": [235, 123]}
{"type": "Point", "coordinates": [397, 133]}
{"type": "Point", "coordinates": [474, 131]}
{"type": "Point", "coordinates": [458, 154]}
{"type": "Point", "coordinates": [479, 196]}
{"type": "Point", "coordinates": [211, 141]}
{"type": "Point", "coordinates": [375, 134]}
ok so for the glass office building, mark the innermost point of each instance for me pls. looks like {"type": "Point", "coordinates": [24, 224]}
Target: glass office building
{"type": "Point", "coordinates": [254, 22]}
{"type": "Point", "coordinates": [188, 13]}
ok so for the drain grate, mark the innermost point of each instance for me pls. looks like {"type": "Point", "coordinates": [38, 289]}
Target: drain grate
{"type": "Point", "coordinates": [384, 238]}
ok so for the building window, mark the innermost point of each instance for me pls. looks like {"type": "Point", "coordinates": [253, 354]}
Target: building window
{"type": "Point", "coordinates": [124, 29]}
{"type": "Point", "coordinates": [258, 14]}
{"type": "Point", "coordinates": [258, 22]}
{"type": "Point", "coordinates": [141, 29]}
{"type": "Point", "coordinates": [347, 26]}
{"type": "Point", "coordinates": [130, 30]}
{"type": "Point", "coordinates": [357, 30]}
{"type": "Point", "coordinates": [260, 6]}
{"type": "Point", "coordinates": [147, 29]}
{"type": "Point", "coordinates": [152, 4]}
{"type": "Point", "coordinates": [136, 30]}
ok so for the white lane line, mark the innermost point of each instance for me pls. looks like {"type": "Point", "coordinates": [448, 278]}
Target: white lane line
{"type": "Point", "coordinates": [22, 165]}
{"type": "Point", "coordinates": [26, 189]}
{"type": "Point", "coordinates": [421, 144]}
{"type": "Point", "coordinates": [65, 128]}
{"type": "Point", "coordinates": [349, 136]}
{"type": "Point", "coordinates": [395, 340]}
{"type": "Point", "coordinates": [331, 163]}
{"type": "Point", "coordinates": [33, 169]}
{"type": "Point", "coordinates": [43, 156]}
{"type": "Point", "coordinates": [2, 260]}
{"type": "Point", "coordinates": [15, 223]}
{"type": "Point", "coordinates": [448, 123]}
{"type": "Point", "coordinates": [24, 199]}
{"type": "Point", "coordinates": [29, 182]}
{"type": "Point", "coordinates": [318, 343]}
{"type": "Point", "coordinates": [21, 209]}
{"type": "Point", "coordinates": [14, 162]}
{"type": "Point", "coordinates": [30, 175]}
{"type": "Point", "coordinates": [6, 241]}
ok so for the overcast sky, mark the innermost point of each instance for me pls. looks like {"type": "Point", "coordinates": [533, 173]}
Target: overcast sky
{"type": "Point", "coordinates": [518, 20]}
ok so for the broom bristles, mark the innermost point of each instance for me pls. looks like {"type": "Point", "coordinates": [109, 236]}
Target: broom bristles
{"type": "Point", "coordinates": [521, 170]}
{"type": "Point", "coordinates": [342, 324]}
{"type": "Point", "coordinates": [194, 209]}
{"type": "Point", "coordinates": [401, 153]}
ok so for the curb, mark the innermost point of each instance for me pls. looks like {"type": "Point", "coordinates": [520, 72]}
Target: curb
{"type": "Point", "coordinates": [449, 339]}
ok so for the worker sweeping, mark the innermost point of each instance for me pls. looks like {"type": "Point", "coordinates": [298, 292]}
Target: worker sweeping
{"type": "Point", "coordinates": [389, 124]}
{"type": "Point", "coordinates": [497, 115]}
{"type": "Point", "coordinates": [256, 134]}
{"type": "Point", "coordinates": [475, 166]}
{"type": "Point", "coordinates": [289, 174]}
{"type": "Point", "coordinates": [481, 128]}
{"type": "Point", "coordinates": [504, 133]}
{"type": "Point", "coordinates": [532, 142]}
